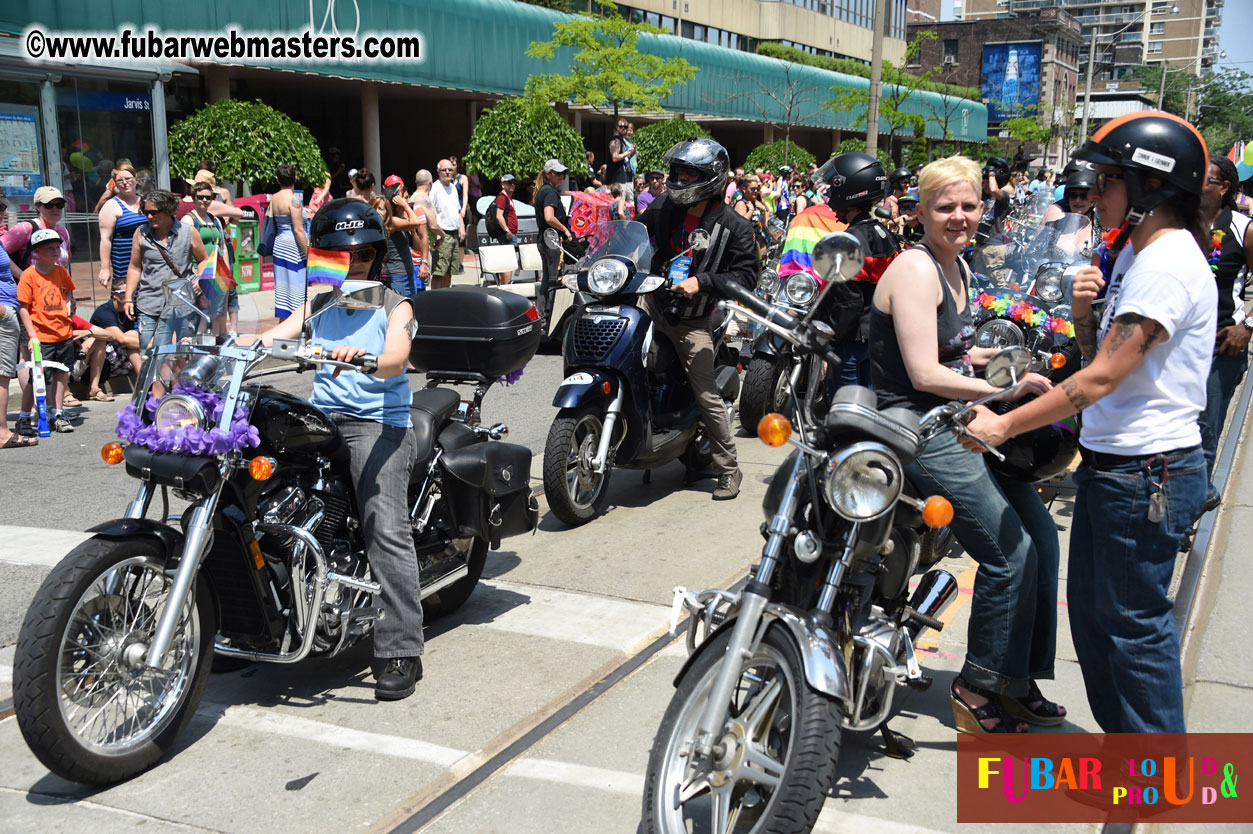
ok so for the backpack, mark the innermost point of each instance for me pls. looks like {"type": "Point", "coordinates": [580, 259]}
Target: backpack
{"type": "Point", "coordinates": [23, 259]}
{"type": "Point", "coordinates": [492, 225]}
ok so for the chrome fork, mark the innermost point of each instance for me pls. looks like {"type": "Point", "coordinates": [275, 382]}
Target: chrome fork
{"type": "Point", "coordinates": [198, 531]}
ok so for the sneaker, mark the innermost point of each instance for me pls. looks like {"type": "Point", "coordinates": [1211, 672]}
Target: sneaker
{"type": "Point", "coordinates": [398, 679]}
{"type": "Point", "coordinates": [728, 486]}
{"type": "Point", "coordinates": [26, 427]}
{"type": "Point", "coordinates": [62, 424]}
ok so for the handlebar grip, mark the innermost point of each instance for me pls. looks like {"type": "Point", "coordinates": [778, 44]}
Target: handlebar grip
{"type": "Point", "coordinates": [367, 362]}
{"type": "Point", "coordinates": [763, 308]}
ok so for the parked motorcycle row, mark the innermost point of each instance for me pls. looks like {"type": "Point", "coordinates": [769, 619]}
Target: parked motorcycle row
{"type": "Point", "coordinates": [267, 563]}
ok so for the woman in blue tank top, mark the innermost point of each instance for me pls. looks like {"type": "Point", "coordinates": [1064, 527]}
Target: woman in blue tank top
{"type": "Point", "coordinates": [119, 218]}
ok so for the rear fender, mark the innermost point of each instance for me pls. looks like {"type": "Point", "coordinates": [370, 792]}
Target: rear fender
{"type": "Point", "coordinates": [584, 387]}
{"type": "Point", "coordinates": [823, 663]}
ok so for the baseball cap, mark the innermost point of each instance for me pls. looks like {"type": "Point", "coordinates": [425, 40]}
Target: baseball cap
{"type": "Point", "coordinates": [910, 196]}
{"type": "Point", "coordinates": [46, 194]}
{"type": "Point", "coordinates": [555, 165]}
{"type": "Point", "coordinates": [509, 178]}
{"type": "Point", "coordinates": [656, 172]}
{"type": "Point", "coordinates": [44, 236]}
{"type": "Point", "coordinates": [393, 180]}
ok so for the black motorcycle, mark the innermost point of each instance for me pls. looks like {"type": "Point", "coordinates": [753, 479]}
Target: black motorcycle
{"type": "Point", "coordinates": [267, 562]}
{"type": "Point", "coordinates": [767, 357]}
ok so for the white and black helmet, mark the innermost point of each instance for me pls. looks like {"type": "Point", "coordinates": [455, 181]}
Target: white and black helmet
{"type": "Point", "coordinates": [709, 159]}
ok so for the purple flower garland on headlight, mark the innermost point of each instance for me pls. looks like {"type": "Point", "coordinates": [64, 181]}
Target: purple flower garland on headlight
{"type": "Point", "coordinates": [193, 441]}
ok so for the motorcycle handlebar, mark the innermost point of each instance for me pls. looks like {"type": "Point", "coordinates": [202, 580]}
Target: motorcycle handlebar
{"type": "Point", "coordinates": [763, 308]}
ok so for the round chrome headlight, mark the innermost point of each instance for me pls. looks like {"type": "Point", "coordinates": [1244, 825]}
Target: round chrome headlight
{"type": "Point", "coordinates": [1048, 284]}
{"type": "Point", "coordinates": [768, 284]}
{"type": "Point", "coordinates": [863, 481]}
{"type": "Point", "coordinates": [178, 411]}
{"type": "Point", "coordinates": [999, 333]}
{"type": "Point", "coordinates": [1062, 311]}
{"type": "Point", "coordinates": [606, 276]}
{"type": "Point", "coordinates": [800, 289]}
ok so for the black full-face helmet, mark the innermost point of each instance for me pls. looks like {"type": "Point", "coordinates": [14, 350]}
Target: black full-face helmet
{"type": "Point", "coordinates": [1150, 144]}
{"type": "Point", "coordinates": [711, 163]}
{"type": "Point", "coordinates": [350, 222]}
{"type": "Point", "coordinates": [999, 168]}
{"type": "Point", "coordinates": [855, 180]}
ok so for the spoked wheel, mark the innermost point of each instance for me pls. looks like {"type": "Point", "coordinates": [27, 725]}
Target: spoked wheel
{"type": "Point", "coordinates": [576, 492]}
{"type": "Point", "coordinates": [87, 703]}
{"type": "Point", "coordinates": [773, 763]}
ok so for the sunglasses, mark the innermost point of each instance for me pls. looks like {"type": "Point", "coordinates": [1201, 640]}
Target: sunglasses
{"type": "Point", "coordinates": [362, 256]}
{"type": "Point", "coordinates": [1078, 195]}
{"type": "Point", "coordinates": [152, 212]}
{"type": "Point", "coordinates": [55, 204]}
{"type": "Point", "coordinates": [4, 206]}
{"type": "Point", "coordinates": [446, 170]}
{"type": "Point", "coordinates": [1102, 178]}
{"type": "Point", "coordinates": [204, 196]}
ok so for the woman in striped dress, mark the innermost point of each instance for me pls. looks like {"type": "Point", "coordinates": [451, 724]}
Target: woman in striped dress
{"type": "Point", "coordinates": [119, 218]}
{"type": "Point", "coordinates": [290, 244]}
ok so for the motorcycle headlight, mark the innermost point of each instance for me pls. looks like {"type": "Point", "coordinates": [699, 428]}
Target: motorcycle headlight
{"type": "Point", "coordinates": [800, 289]}
{"type": "Point", "coordinates": [1048, 284]}
{"type": "Point", "coordinates": [863, 481]}
{"type": "Point", "coordinates": [768, 284]}
{"type": "Point", "coordinates": [1062, 311]}
{"type": "Point", "coordinates": [999, 333]}
{"type": "Point", "coordinates": [178, 411]}
{"type": "Point", "coordinates": [606, 276]}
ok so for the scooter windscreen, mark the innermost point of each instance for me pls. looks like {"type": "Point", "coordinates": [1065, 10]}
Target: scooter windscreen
{"type": "Point", "coordinates": [624, 238]}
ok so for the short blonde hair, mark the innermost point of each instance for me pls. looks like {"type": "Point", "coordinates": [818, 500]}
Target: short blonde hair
{"type": "Point", "coordinates": [945, 172]}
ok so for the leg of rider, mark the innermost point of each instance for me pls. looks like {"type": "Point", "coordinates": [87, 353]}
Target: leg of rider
{"type": "Point", "coordinates": [1042, 529]}
{"type": "Point", "coordinates": [694, 344]}
{"type": "Point", "coordinates": [381, 458]}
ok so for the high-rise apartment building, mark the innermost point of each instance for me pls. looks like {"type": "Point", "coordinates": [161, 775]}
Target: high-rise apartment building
{"type": "Point", "coordinates": [1181, 34]}
{"type": "Point", "coordinates": [838, 28]}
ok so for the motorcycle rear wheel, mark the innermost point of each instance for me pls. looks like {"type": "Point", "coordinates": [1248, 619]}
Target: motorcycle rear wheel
{"type": "Point", "coordinates": [455, 595]}
{"type": "Point", "coordinates": [764, 391]}
{"type": "Point", "coordinates": [89, 709]}
{"type": "Point", "coordinates": [575, 493]}
{"type": "Point", "coordinates": [781, 745]}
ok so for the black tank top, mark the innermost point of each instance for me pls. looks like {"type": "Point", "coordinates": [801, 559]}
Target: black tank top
{"type": "Point", "coordinates": [955, 334]}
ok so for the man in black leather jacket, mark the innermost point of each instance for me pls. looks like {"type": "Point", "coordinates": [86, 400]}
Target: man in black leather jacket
{"type": "Point", "coordinates": [693, 199]}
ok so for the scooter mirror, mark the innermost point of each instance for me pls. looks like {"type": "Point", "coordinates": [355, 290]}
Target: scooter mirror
{"type": "Point", "coordinates": [363, 295]}
{"type": "Point", "coordinates": [1007, 367]}
{"type": "Point", "coordinates": [838, 257]}
{"type": "Point", "coordinates": [182, 291]}
{"type": "Point", "coordinates": [551, 239]}
{"type": "Point", "coordinates": [698, 240]}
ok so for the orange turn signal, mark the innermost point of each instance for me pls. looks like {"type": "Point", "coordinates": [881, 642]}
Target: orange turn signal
{"type": "Point", "coordinates": [937, 511]}
{"type": "Point", "coordinates": [606, 386]}
{"type": "Point", "coordinates": [261, 468]}
{"type": "Point", "coordinates": [255, 550]}
{"type": "Point", "coordinates": [1057, 360]}
{"type": "Point", "coordinates": [111, 453]}
{"type": "Point", "coordinates": [774, 429]}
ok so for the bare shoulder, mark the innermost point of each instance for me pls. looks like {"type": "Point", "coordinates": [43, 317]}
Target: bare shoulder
{"type": "Point", "coordinates": [910, 279]}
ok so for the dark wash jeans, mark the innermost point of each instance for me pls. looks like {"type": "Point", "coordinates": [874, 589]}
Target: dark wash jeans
{"type": "Point", "coordinates": [1225, 374]}
{"type": "Point", "coordinates": [1121, 620]}
{"type": "Point", "coordinates": [1006, 528]}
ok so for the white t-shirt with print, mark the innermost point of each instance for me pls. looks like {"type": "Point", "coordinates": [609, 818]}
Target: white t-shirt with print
{"type": "Point", "coordinates": [1155, 409]}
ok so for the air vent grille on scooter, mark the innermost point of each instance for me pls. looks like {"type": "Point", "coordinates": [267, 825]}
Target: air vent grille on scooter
{"type": "Point", "coordinates": [593, 338]}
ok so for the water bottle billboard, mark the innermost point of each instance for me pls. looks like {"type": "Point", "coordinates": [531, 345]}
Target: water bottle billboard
{"type": "Point", "coordinates": [1011, 80]}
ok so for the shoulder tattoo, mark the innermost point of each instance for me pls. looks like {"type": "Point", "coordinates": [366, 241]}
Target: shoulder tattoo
{"type": "Point", "coordinates": [1131, 326]}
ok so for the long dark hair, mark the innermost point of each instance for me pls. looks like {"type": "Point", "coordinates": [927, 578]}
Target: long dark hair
{"type": "Point", "coordinates": [1227, 171]}
{"type": "Point", "coordinates": [1184, 211]}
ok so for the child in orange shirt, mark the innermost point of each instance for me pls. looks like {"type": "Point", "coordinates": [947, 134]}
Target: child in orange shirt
{"type": "Point", "coordinates": [46, 295]}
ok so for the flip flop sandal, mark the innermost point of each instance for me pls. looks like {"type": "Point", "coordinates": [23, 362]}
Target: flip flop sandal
{"type": "Point", "coordinates": [72, 402]}
{"type": "Point", "coordinates": [100, 396]}
{"type": "Point", "coordinates": [17, 441]}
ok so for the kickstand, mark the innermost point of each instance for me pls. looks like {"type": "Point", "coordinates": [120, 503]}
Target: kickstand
{"type": "Point", "coordinates": [897, 745]}
{"type": "Point", "coordinates": [648, 476]}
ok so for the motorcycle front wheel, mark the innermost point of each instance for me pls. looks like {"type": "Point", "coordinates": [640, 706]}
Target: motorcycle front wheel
{"type": "Point", "coordinates": [86, 702]}
{"type": "Point", "coordinates": [575, 491]}
{"type": "Point", "coordinates": [774, 762]}
{"type": "Point", "coordinates": [765, 390]}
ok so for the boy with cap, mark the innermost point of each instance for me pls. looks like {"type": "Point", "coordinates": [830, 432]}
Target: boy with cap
{"type": "Point", "coordinates": [45, 294]}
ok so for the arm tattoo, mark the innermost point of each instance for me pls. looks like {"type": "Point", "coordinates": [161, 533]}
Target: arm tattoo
{"type": "Point", "coordinates": [1085, 334]}
{"type": "Point", "coordinates": [1125, 328]}
{"type": "Point", "coordinates": [1075, 394]}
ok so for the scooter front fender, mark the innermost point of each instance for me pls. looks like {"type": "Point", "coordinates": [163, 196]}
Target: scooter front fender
{"type": "Point", "coordinates": [823, 663]}
{"type": "Point", "coordinates": [585, 386]}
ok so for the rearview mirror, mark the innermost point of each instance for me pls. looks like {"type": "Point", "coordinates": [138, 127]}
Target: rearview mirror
{"type": "Point", "coordinates": [838, 257]}
{"type": "Point", "coordinates": [1007, 367]}
{"type": "Point", "coordinates": [364, 295]}
{"type": "Point", "coordinates": [551, 239]}
{"type": "Point", "coordinates": [182, 290]}
{"type": "Point", "coordinates": [698, 240]}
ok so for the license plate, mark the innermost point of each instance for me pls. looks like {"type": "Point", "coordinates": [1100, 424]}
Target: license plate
{"type": "Point", "coordinates": [612, 310]}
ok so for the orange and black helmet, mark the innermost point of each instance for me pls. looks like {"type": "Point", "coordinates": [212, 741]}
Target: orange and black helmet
{"type": "Point", "coordinates": [1147, 144]}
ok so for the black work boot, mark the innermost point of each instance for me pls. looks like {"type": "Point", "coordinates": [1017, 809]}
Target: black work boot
{"type": "Point", "coordinates": [398, 679]}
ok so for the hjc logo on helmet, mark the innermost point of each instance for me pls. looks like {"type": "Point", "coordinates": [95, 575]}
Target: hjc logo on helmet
{"type": "Point", "coordinates": [348, 225]}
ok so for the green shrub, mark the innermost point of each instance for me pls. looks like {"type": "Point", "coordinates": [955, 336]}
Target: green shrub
{"type": "Point", "coordinates": [655, 139]}
{"type": "Point", "coordinates": [771, 157]}
{"type": "Point", "coordinates": [510, 138]}
{"type": "Point", "coordinates": [247, 140]}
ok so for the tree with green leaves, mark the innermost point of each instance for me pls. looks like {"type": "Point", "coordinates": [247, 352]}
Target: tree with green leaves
{"type": "Point", "coordinates": [655, 139]}
{"type": "Point", "coordinates": [793, 103]}
{"type": "Point", "coordinates": [771, 156]}
{"type": "Point", "coordinates": [511, 138]}
{"type": "Point", "coordinates": [607, 71]}
{"type": "Point", "coordinates": [247, 140]}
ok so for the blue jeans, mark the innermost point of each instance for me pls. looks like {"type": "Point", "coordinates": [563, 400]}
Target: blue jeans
{"type": "Point", "coordinates": [1224, 377]}
{"type": "Point", "coordinates": [1121, 620]}
{"type": "Point", "coordinates": [1006, 528]}
{"type": "Point", "coordinates": [402, 284]}
{"type": "Point", "coordinates": [855, 369]}
{"type": "Point", "coordinates": [166, 328]}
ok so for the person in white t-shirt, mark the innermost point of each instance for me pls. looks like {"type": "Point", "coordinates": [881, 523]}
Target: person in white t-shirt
{"type": "Point", "coordinates": [1143, 479]}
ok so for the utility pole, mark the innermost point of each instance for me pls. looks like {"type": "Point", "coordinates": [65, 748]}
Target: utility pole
{"type": "Point", "coordinates": [876, 77]}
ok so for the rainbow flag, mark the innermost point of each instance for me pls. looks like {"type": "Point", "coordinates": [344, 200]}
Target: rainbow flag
{"type": "Point", "coordinates": [808, 227]}
{"type": "Point", "coordinates": [327, 267]}
{"type": "Point", "coordinates": [215, 278]}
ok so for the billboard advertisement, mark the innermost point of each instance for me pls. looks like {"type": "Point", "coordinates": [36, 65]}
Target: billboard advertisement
{"type": "Point", "coordinates": [1011, 80]}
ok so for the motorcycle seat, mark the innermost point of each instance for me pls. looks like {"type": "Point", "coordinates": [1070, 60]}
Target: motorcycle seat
{"type": "Point", "coordinates": [439, 403]}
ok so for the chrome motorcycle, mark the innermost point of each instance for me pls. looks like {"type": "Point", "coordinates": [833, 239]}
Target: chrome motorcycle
{"type": "Point", "coordinates": [766, 357]}
{"type": "Point", "coordinates": [821, 635]}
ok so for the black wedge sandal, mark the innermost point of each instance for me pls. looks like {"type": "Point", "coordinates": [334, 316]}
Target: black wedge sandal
{"type": "Point", "coordinates": [1044, 713]}
{"type": "Point", "coordinates": [969, 719]}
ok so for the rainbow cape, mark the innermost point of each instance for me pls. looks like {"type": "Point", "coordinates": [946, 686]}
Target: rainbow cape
{"type": "Point", "coordinates": [327, 267]}
{"type": "Point", "coordinates": [215, 277]}
{"type": "Point", "coordinates": [808, 227]}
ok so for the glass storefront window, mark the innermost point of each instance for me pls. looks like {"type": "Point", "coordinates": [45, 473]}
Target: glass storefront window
{"type": "Point", "coordinates": [21, 147]}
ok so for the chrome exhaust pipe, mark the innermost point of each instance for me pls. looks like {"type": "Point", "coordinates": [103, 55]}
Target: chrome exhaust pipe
{"type": "Point", "coordinates": [933, 595]}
